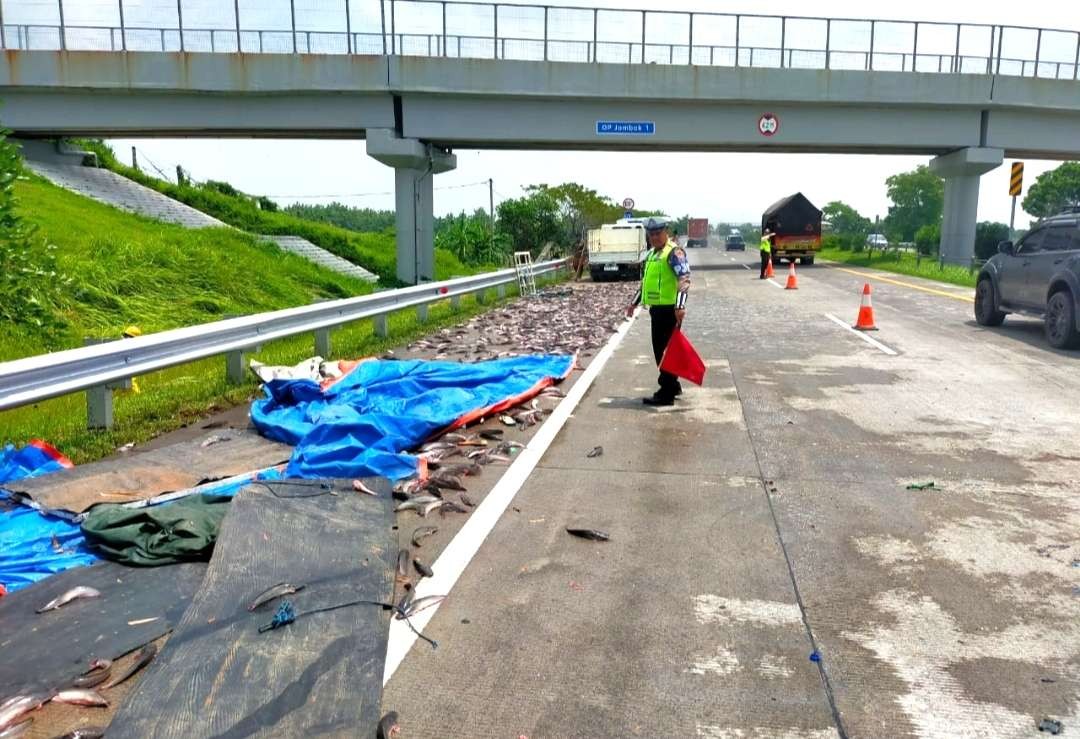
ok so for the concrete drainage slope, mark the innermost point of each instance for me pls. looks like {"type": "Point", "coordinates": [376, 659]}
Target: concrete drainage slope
{"type": "Point", "coordinates": [66, 171]}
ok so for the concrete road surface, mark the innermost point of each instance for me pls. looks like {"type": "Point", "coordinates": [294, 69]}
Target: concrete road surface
{"type": "Point", "coordinates": [765, 520]}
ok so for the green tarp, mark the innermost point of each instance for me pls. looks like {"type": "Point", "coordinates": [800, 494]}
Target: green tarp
{"type": "Point", "coordinates": [176, 532]}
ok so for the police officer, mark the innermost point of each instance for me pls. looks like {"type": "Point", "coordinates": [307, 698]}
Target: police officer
{"type": "Point", "coordinates": [665, 282]}
{"type": "Point", "coordinates": [767, 237]}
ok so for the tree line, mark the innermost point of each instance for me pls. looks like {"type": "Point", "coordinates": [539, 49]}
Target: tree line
{"type": "Point", "coordinates": [917, 204]}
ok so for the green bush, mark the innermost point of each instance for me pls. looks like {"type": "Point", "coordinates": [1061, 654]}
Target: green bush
{"type": "Point", "coordinates": [927, 239]}
{"type": "Point", "coordinates": [833, 241]}
{"type": "Point", "coordinates": [987, 237]}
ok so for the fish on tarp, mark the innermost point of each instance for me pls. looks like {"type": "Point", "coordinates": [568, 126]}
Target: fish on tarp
{"type": "Point", "coordinates": [422, 533]}
{"type": "Point", "coordinates": [142, 659]}
{"type": "Point", "coordinates": [17, 730]}
{"type": "Point", "coordinates": [491, 434]}
{"type": "Point", "coordinates": [81, 697]}
{"type": "Point", "coordinates": [99, 663]}
{"type": "Point", "coordinates": [360, 487]}
{"type": "Point", "coordinates": [272, 592]}
{"type": "Point", "coordinates": [422, 568]}
{"type": "Point", "coordinates": [388, 726]}
{"type": "Point", "coordinates": [92, 679]}
{"type": "Point", "coordinates": [429, 507]}
{"type": "Point", "coordinates": [15, 708]}
{"type": "Point", "coordinates": [446, 481]}
{"type": "Point", "coordinates": [591, 534]}
{"type": "Point", "coordinates": [56, 546]}
{"type": "Point", "coordinates": [80, 591]}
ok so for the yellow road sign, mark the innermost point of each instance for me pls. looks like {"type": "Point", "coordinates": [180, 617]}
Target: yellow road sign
{"type": "Point", "coordinates": [1016, 180]}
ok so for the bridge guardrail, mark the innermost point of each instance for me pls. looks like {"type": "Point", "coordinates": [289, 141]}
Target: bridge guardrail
{"type": "Point", "coordinates": [100, 368]}
{"type": "Point", "coordinates": [448, 28]}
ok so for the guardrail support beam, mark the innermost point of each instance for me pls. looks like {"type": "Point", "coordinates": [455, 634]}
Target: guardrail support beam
{"type": "Point", "coordinates": [322, 342]}
{"type": "Point", "coordinates": [481, 296]}
{"type": "Point", "coordinates": [422, 313]}
{"type": "Point", "coordinates": [962, 169]}
{"type": "Point", "coordinates": [99, 407]}
{"type": "Point", "coordinates": [236, 365]}
{"type": "Point", "coordinates": [501, 291]}
{"type": "Point", "coordinates": [381, 326]}
{"type": "Point", "coordinates": [455, 302]}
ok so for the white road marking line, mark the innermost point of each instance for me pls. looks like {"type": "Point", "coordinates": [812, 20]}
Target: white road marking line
{"type": "Point", "coordinates": [774, 283]}
{"type": "Point", "coordinates": [746, 266]}
{"type": "Point", "coordinates": [871, 341]}
{"type": "Point", "coordinates": [459, 552]}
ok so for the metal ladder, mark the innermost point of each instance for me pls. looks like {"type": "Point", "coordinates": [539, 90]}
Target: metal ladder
{"type": "Point", "coordinates": [523, 266]}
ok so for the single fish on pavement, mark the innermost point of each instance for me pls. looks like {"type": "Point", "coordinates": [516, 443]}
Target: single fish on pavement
{"type": "Point", "coordinates": [592, 534]}
{"type": "Point", "coordinates": [596, 451]}
{"type": "Point", "coordinates": [360, 487]}
{"type": "Point", "coordinates": [422, 533]}
{"type": "Point", "coordinates": [422, 568]}
{"type": "Point", "coordinates": [73, 594]}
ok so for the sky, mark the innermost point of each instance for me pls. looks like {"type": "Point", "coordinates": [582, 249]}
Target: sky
{"type": "Point", "coordinates": [729, 187]}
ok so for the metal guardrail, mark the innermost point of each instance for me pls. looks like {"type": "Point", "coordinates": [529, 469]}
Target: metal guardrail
{"type": "Point", "coordinates": [447, 28]}
{"type": "Point", "coordinates": [100, 368]}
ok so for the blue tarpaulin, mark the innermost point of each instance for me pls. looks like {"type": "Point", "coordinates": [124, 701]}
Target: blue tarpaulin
{"type": "Point", "coordinates": [27, 552]}
{"type": "Point", "coordinates": [362, 424]}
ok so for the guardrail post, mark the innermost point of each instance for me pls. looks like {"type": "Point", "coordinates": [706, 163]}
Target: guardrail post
{"type": "Point", "coordinates": [1038, 52]}
{"type": "Point", "coordinates": [783, 39]}
{"type": "Point", "coordinates": [595, 43]}
{"type": "Point", "coordinates": [828, 38]}
{"type": "Point", "coordinates": [235, 366]}
{"type": "Point", "coordinates": [292, 21]}
{"type": "Point", "coordinates": [455, 302]}
{"type": "Point", "coordinates": [99, 407]}
{"type": "Point", "coordinates": [380, 325]}
{"type": "Point", "coordinates": [348, 29]}
{"type": "Point", "coordinates": [870, 58]}
{"type": "Point", "coordinates": [481, 296]}
{"type": "Point", "coordinates": [501, 292]}
{"type": "Point", "coordinates": [123, 36]}
{"type": "Point", "coordinates": [322, 342]}
{"type": "Point", "coordinates": [422, 313]}
{"type": "Point", "coordinates": [643, 18]}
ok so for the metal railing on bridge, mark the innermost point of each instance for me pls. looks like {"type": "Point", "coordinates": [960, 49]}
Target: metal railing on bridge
{"type": "Point", "coordinates": [101, 368]}
{"type": "Point", "coordinates": [446, 28]}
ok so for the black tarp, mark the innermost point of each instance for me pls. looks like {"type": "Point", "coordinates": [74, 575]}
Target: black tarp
{"type": "Point", "coordinates": [321, 675]}
{"type": "Point", "coordinates": [792, 216]}
{"type": "Point", "coordinates": [45, 650]}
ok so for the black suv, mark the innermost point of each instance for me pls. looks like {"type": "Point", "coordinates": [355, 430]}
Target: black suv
{"type": "Point", "coordinates": [1040, 276]}
{"type": "Point", "coordinates": [734, 242]}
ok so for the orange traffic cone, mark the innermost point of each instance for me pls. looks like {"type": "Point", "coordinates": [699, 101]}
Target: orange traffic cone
{"type": "Point", "coordinates": [769, 273]}
{"type": "Point", "coordinates": [792, 280]}
{"type": "Point", "coordinates": [865, 321]}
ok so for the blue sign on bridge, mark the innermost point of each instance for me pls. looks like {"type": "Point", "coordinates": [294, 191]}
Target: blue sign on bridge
{"type": "Point", "coordinates": [625, 128]}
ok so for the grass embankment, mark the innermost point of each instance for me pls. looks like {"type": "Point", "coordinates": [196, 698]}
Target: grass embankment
{"type": "Point", "coordinates": [372, 251]}
{"type": "Point", "coordinates": [126, 269]}
{"type": "Point", "coordinates": [904, 263]}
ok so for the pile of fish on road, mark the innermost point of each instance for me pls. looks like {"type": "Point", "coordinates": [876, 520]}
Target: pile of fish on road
{"type": "Point", "coordinates": [564, 319]}
{"type": "Point", "coordinates": [15, 718]}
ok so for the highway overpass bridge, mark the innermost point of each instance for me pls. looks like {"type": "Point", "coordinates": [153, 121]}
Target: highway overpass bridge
{"type": "Point", "coordinates": [421, 78]}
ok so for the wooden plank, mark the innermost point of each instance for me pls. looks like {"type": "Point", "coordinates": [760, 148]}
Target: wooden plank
{"type": "Point", "coordinates": [319, 676]}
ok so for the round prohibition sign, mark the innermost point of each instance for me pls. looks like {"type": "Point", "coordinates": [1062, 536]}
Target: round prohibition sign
{"type": "Point", "coordinates": [768, 124]}
{"type": "Point", "coordinates": [628, 203]}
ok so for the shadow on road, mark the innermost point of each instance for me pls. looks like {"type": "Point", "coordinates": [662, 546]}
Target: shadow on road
{"type": "Point", "coordinates": [1027, 331]}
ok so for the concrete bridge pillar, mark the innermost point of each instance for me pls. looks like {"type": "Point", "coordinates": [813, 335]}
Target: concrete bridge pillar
{"type": "Point", "coordinates": [415, 164]}
{"type": "Point", "coordinates": [961, 170]}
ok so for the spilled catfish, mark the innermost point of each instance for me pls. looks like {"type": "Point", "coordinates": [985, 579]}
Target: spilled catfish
{"type": "Point", "coordinates": [75, 593]}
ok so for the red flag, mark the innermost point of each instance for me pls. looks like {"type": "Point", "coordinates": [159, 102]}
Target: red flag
{"type": "Point", "coordinates": [682, 360]}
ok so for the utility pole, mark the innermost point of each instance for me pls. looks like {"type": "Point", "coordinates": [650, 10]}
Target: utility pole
{"type": "Point", "coordinates": [134, 159]}
{"type": "Point", "coordinates": [491, 210]}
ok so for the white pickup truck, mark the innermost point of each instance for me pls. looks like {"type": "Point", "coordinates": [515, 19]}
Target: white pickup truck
{"type": "Point", "coordinates": [616, 251]}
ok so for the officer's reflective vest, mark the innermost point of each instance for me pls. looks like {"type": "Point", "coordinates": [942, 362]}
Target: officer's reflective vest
{"type": "Point", "coordinates": [659, 284]}
{"type": "Point", "coordinates": [766, 245]}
